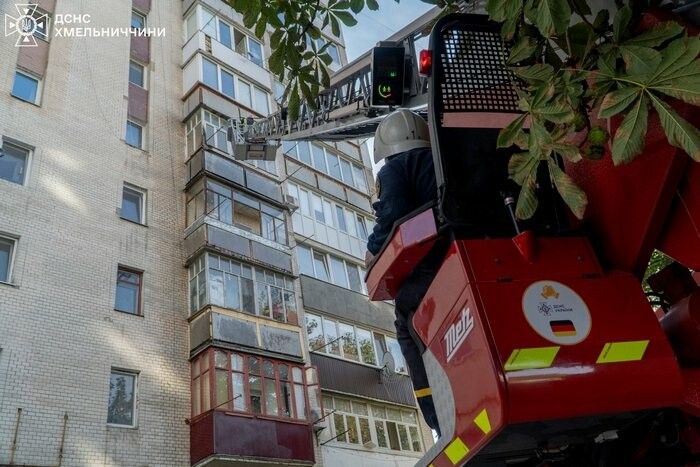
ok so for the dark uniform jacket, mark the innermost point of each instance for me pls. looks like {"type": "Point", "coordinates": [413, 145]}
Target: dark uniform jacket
{"type": "Point", "coordinates": [405, 183]}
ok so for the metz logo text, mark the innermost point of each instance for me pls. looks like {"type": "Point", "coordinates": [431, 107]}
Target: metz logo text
{"type": "Point", "coordinates": [28, 23]}
{"type": "Point", "coordinates": [458, 332]}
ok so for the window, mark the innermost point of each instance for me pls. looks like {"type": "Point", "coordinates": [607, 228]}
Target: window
{"type": "Point", "coordinates": [225, 34]}
{"type": "Point", "coordinates": [128, 295]}
{"type": "Point", "coordinates": [227, 283]}
{"type": "Point", "coordinates": [133, 204]}
{"type": "Point", "coordinates": [234, 208]}
{"type": "Point", "coordinates": [233, 86]}
{"type": "Point", "coordinates": [345, 340]}
{"type": "Point", "coordinates": [7, 250]}
{"type": "Point", "coordinates": [359, 422]}
{"type": "Point", "coordinates": [121, 410]}
{"type": "Point", "coordinates": [14, 162]}
{"type": "Point", "coordinates": [136, 74]}
{"type": "Point", "coordinates": [342, 272]}
{"type": "Point", "coordinates": [248, 47]}
{"type": "Point", "coordinates": [41, 24]}
{"type": "Point", "coordinates": [230, 381]}
{"type": "Point", "coordinates": [25, 87]}
{"type": "Point", "coordinates": [191, 25]}
{"type": "Point", "coordinates": [328, 162]}
{"type": "Point", "coordinates": [138, 20]}
{"type": "Point", "coordinates": [134, 134]}
{"type": "Point", "coordinates": [209, 73]}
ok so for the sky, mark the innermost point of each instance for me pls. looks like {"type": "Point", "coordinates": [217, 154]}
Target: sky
{"type": "Point", "coordinates": [374, 26]}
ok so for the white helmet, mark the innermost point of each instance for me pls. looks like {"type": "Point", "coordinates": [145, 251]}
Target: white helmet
{"type": "Point", "coordinates": [400, 131]}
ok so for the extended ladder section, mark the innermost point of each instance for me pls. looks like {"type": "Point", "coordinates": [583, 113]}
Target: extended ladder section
{"type": "Point", "coordinates": [344, 110]}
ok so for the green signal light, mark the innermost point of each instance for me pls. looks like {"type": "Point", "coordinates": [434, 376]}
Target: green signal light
{"type": "Point", "coordinates": [392, 74]}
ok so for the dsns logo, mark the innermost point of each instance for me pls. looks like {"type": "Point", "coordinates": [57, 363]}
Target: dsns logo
{"type": "Point", "coordinates": [457, 333]}
{"type": "Point", "coordinates": [25, 25]}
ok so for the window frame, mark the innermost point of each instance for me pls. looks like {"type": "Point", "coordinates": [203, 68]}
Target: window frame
{"type": "Point", "coordinates": [28, 150]}
{"type": "Point", "coordinates": [206, 366]}
{"type": "Point", "coordinates": [142, 85]}
{"type": "Point", "coordinates": [32, 77]}
{"type": "Point", "coordinates": [261, 280]}
{"type": "Point", "coordinates": [328, 323]}
{"type": "Point", "coordinates": [139, 295]}
{"type": "Point", "coordinates": [142, 195]}
{"type": "Point", "coordinates": [135, 398]}
{"type": "Point", "coordinates": [36, 14]}
{"type": "Point", "coordinates": [253, 91]}
{"type": "Point", "coordinates": [140, 15]}
{"type": "Point", "coordinates": [141, 128]}
{"type": "Point", "coordinates": [327, 261]}
{"type": "Point", "coordinates": [372, 412]}
{"type": "Point", "coordinates": [13, 242]}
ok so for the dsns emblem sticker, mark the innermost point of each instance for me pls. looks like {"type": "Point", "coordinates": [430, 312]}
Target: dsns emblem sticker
{"type": "Point", "coordinates": [556, 312]}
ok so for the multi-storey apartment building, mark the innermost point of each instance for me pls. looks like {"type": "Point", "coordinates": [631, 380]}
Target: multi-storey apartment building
{"type": "Point", "coordinates": [161, 302]}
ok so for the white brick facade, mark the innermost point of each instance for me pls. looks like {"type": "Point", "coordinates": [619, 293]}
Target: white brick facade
{"type": "Point", "coordinates": [59, 333]}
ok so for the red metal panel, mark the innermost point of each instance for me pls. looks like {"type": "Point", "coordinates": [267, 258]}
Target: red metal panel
{"type": "Point", "coordinates": [410, 242]}
{"type": "Point", "coordinates": [201, 437]}
{"type": "Point", "coordinates": [582, 378]}
{"type": "Point", "coordinates": [681, 235]}
{"type": "Point", "coordinates": [257, 437]}
{"type": "Point", "coordinates": [627, 205]}
{"type": "Point", "coordinates": [448, 285]}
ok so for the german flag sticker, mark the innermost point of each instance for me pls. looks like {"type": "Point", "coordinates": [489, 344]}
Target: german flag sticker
{"type": "Point", "coordinates": [563, 328]}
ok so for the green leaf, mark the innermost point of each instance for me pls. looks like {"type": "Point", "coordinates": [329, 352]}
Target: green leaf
{"type": "Point", "coordinates": [357, 5]}
{"type": "Point", "coordinates": [581, 7]}
{"type": "Point", "coordinates": [679, 132]}
{"type": "Point", "coordinates": [656, 35]}
{"type": "Point", "coordinates": [276, 62]}
{"type": "Point", "coordinates": [523, 48]}
{"type": "Point", "coordinates": [686, 89]}
{"type": "Point", "coordinates": [629, 137]}
{"type": "Point", "coordinates": [617, 101]}
{"type": "Point", "coordinates": [260, 27]}
{"type": "Point", "coordinates": [621, 23]}
{"type": "Point", "coordinates": [508, 135]}
{"type": "Point", "coordinates": [569, 151]}
{"type": "Point", "coordinates": [535, 73]}
{"type": "Point", "coordinates": [497, 10]}
{"type": "Point", "coordinates": [555, 112]}
{"type": "Point", "coordinates": [294, 104]}
{"type": "Point", "coordinates": [571, 193]}
{"type": "Point", "coordinates": [527, 199]}
{"type": "Point", "coordinates": [675, 57]}
{"type": "Point", "coordinates": [640, 61]}
{"type": "Point", "coordinates": [602, 21]}
{"type": "Point", "coordinates": [521, 166]}
{"type": "Point", "coordinates": [346, 18]}
{"type": "Point", "coordinates": [372, 5]}
{"type": "Point", "coordinates": [540, 140]}
{"type": "Point", "coordinates": [551, 17]}
{"type": "Point", "coordinates": [335, 26]}
{"type": "Point", "coordinates": [509, 28]}
{"type": "Point", "coordinates": [581, 39]}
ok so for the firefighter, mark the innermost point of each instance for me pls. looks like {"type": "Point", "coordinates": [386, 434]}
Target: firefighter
{"type": "Point", "coordinates": [405, 183]}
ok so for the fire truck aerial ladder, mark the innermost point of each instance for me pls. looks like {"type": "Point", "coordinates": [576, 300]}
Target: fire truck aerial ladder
{"type": "Point", "coordinates": [540, 345]}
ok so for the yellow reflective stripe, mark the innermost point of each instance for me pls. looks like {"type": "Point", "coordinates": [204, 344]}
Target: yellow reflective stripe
{"type": "Point", "coordinates": [623, 351]}
{"type": "Point", "coordinates": [483, 422]}
{"type": "Point", "coordinates": [525, 359]}
{"type": "Point", "coordinates": [456, 451]}
{"type": "Point", "coordinates": [423, 392]}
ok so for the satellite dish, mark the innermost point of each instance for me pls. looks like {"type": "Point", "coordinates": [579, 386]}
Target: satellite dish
{"type": "Point", "coordinates": [388, 364]}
